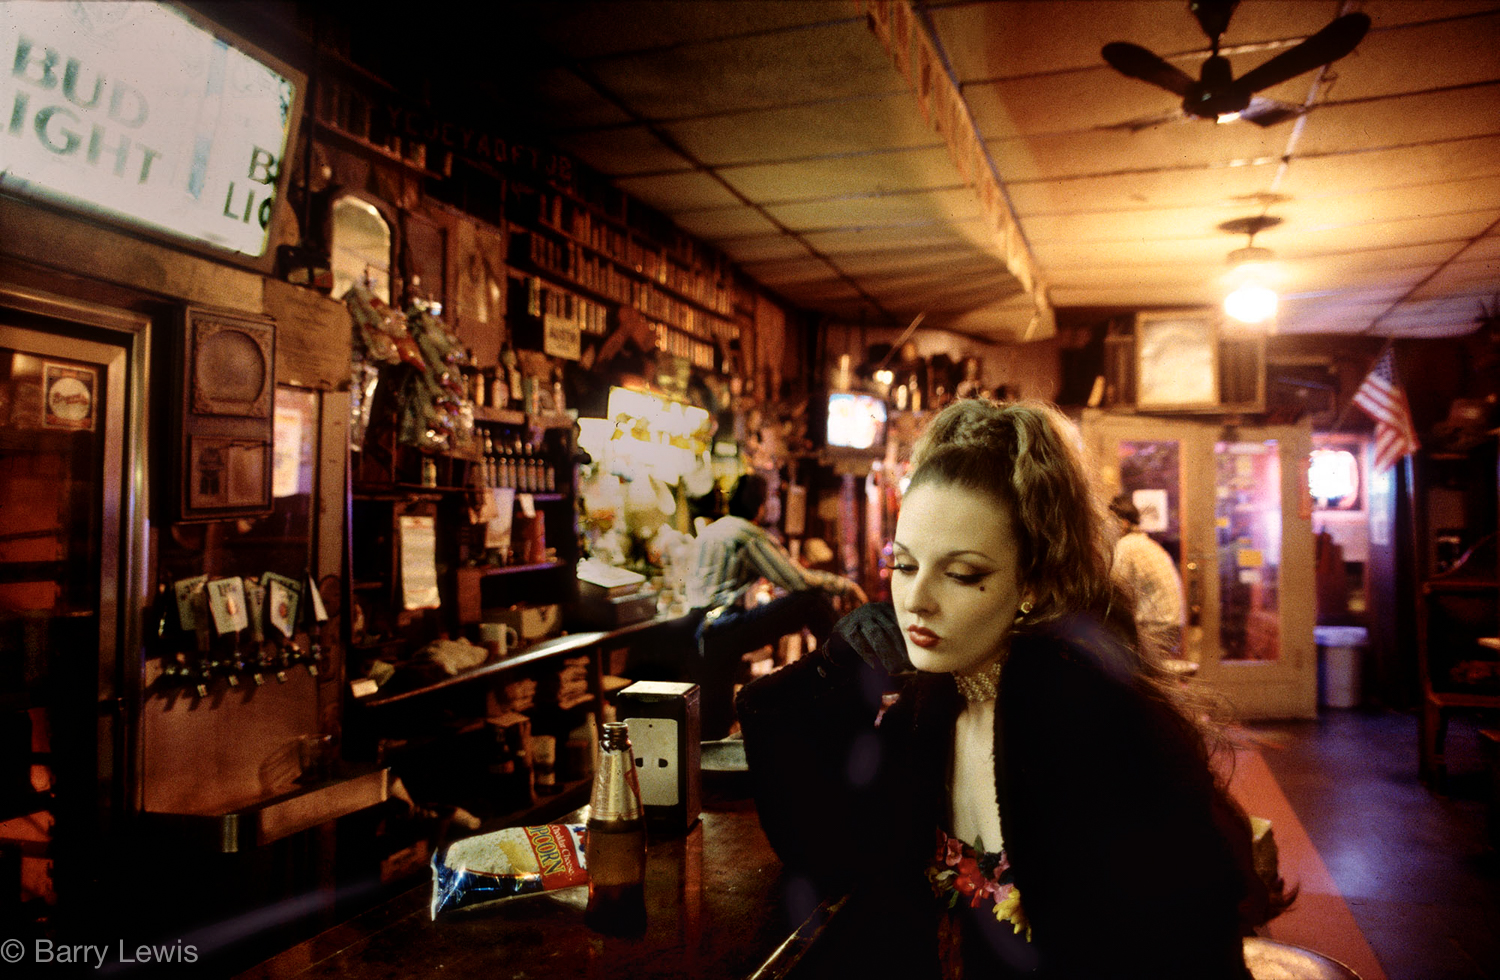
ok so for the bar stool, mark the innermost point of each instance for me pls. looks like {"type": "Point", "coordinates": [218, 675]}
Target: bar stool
{"type": "Point", "coordinates": [1272, 960]}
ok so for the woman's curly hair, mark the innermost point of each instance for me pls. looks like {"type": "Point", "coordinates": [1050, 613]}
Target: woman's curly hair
{"type": "Point", "coordinates": [1030, 456]}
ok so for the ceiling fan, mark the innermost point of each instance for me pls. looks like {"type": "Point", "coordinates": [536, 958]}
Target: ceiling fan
{"type": "Point", "coordinates": [1216, 93]}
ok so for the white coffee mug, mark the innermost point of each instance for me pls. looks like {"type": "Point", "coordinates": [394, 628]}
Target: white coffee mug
{"type": "Point", "coordinates": [498, 638]}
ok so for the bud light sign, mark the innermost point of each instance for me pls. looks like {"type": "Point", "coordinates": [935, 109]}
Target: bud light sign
{"type": "Point", "coordinates": [134, 112]}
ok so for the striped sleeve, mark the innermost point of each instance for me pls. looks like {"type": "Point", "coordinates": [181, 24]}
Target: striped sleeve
{"type": "Point", "coordinates": [774, 564]}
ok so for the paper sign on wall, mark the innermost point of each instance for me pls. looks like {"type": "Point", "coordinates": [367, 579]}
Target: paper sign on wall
{"type": "Point", "coordinates": [497, 531]}
{"type": "Point", "coordinates": [183, 590]}
{"type": "Point", "coordinates": [226, 602]}
{"type": "Point", "coordinates": [284, 594]}
{"type": "Point", "coordinates": [419, 585]}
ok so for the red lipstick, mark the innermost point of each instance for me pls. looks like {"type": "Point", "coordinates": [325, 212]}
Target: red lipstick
{"type": "Point", "coordinates": [922, 636]}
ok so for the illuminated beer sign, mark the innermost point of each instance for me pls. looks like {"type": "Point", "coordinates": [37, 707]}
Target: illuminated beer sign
{"type": "Point", "coordinates": [134, 112]}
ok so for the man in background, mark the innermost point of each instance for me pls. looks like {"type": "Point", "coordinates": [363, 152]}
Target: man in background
{"type": "Point", "coordinates": [1147, 572]}
{"type": "Point", "coordinates": [733, 554]}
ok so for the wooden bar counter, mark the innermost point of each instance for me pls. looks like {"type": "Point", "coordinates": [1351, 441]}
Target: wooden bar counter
{"type": "Point", "coordinates": [716, 901]}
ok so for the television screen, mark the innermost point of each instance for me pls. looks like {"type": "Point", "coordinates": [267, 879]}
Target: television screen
{"type": "Point", "coordinates": [856, 421]}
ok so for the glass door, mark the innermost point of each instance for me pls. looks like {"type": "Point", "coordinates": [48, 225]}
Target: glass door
{"type": "Point", "coordinates": [70, 533]}
{"type": "Point", "coordinates": [1230, 504]}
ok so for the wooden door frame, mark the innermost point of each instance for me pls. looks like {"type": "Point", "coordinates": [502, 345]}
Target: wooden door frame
{"type": "Point", "coordinates": [1291, 691]}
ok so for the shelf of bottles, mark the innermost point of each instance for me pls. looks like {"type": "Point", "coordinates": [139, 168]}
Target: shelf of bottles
{"type": "Point", "coordinates": [507, 460]}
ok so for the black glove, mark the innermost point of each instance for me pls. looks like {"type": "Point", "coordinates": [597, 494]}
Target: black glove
{"type": "Point", "coordinates": [872, 634]}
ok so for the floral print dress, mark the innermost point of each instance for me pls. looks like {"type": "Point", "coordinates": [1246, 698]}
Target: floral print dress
{"type": "Point", "coordinates": [984, 927]}
{"type": "Point", "coordinates": [983, 921]}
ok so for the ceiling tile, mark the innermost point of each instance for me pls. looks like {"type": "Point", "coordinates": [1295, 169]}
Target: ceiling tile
{"type": "Point", "coordinates": [722, 224]}
{"type": "Point", "coordinates": [562, 94]}
{"type": "Point", "coordinates": [623, 152]}
{"type": "Point", "coordinates": [599, 28]}
{"type": "Point", "coordinates": [1397, 58]}
{"type": "Point", "coordinates": [759, 248]}
{"type": "Point", "coordinates": [956, 257]}
{"type": "Point", "coordinates": [1064, 256]}
{"type": "Point", "coordinates": [825, 62]}
{"type": "Point", "coordinates": [1137, 226]}
{"type": "Point", "coordinates": [673, 193]}
{"type": "Point", "coordinates": [939, 207]}
{"type": "Point", "coordinates": [1487, 247]}
{"type": "Point", "coordinates": [913, 238]}
{"type": "Point", "coordinates": [797, 132]}
{"type": "Point", "coordinates": [1186, 147]}
{"type": "Point", "coordinates": [1403, 121]}
{"type": "Point", "coordinates": [1327, 315]}
{"type": "Point", "coordinates": [871, 172]}
{"type": "Point", "coordinates": [1142, 297]}
{"type": "Point", "coordinates": [1388, 204]}
{"type": "Point", "coordinates": [1480, 277]}
{"type": "Point", "coordinates": [1378, 234]}
{"type": "Point", "coordinates": [1126, 193]}
{"type": "Point", "coordinates": [1311, 176]}
{"type": "Point", "coordinates": [1396, 261]}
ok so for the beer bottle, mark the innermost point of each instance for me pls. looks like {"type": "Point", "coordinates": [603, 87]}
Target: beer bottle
{"type": "Point", "coordinates": [616, 849]}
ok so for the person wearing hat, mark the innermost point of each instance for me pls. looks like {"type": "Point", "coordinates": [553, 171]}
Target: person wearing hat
{"type": "Point", "coordinates": [1144, 569]}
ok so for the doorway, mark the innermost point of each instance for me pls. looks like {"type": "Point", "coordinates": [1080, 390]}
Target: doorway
{"type": "Point", "coordinates": [1230, 504]}
{"type": "Point", "coordinates": [72, 396]}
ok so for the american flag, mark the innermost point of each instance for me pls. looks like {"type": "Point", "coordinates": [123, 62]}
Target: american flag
{"type": "Point", "coordinates": [1380, 397]}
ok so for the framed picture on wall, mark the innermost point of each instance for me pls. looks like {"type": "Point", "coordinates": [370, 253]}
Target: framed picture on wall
{"type": "Point", "coordinates": [227, 377]}
{"type": "Point", "coordinates": [1177, 360]}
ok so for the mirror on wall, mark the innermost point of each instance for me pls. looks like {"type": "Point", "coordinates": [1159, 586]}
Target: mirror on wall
{"type": "Point", "coordinates": [360, 246]}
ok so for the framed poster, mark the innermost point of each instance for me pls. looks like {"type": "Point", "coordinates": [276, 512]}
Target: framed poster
{"type": "Point", "coordinates": [227, 377]}
{"type": "Point", "coordinates": [1177, 361]}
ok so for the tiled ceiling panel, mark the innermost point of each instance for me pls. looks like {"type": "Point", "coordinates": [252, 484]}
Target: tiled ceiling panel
{"type": "Point", "coordinates": [865, 172]}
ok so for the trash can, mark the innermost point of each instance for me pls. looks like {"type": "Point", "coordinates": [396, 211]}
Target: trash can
{"type": "Point", "coordinates": [1340, 661]}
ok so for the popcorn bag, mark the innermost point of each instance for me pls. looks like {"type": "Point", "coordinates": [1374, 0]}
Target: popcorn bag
{"type": "Point", "coordinates": [508, 863]}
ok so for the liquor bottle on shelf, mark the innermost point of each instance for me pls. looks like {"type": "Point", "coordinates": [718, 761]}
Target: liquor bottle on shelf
{"type": "Point", "coordinates": [499, 390]}
{"type": "Point", "coordinates": [487, 463]}
{"type": "Point", "coordinates": [530, 466]}
{"type": "Point", "coordinates": [507, 466]}
{"type": "Point", "coordinates": [616, 849]}
{"type": "Point", "coordinates": [512, 372]}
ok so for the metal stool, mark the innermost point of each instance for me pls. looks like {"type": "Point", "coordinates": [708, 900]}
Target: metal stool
{"type": "Point", "coordinates": [1271, 960]}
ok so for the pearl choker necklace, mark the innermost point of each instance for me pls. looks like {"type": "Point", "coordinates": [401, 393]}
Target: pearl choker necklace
{"type": "Point", "coordinates": [980, 685]}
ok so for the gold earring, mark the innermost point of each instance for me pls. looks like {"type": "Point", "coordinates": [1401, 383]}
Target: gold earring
{"type": "Point", "coordinates": [1025, 606]}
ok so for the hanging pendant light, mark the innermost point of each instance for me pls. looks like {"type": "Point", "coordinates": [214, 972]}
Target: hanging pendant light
{"type": "Point", "coordinates": [1251, 298]}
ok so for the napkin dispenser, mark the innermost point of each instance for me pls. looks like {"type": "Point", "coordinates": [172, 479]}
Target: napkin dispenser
{"type": "Point", "coordinates": [662, 717]}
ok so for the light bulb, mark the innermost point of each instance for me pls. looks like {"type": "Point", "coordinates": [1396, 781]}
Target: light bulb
{"type": "Point", "coordinates": [1251, 303]}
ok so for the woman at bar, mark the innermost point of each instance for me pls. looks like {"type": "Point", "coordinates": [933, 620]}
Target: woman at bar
{"type": "Point", "coordinates": [991, 770]}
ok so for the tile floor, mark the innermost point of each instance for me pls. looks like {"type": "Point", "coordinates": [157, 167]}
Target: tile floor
{"type": "Point", "coordinates": [1416, 868]}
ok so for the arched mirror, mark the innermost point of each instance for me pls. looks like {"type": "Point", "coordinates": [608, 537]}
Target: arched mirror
{"type": "Point", "coordinates": [361, 247]}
